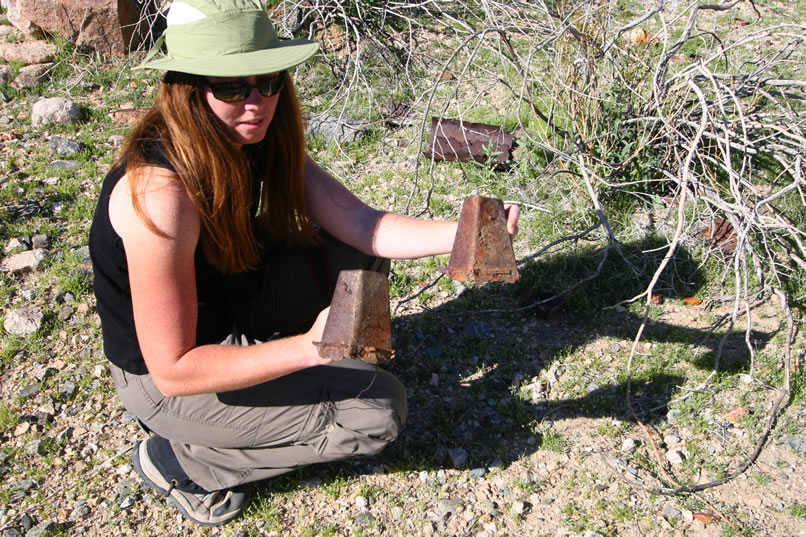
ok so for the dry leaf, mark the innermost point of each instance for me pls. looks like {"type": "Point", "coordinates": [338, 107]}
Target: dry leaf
{"type": "Point", "coordinates": [639, 36]}
{"type": "Point", "coordinates": [657, 299]}
{"type": "Point", "coordinates": [691, 301]}
{"type": "Point", "coordinates": [736, 413]}
{"type": "Point", "coordinates": [706, 517]}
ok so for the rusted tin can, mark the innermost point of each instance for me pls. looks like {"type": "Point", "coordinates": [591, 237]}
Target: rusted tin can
{"type": "Point", "coordinates": [359, 324]}
{"type": "Point", "coordinates": [452, 139]}
{"type": "Point", "coordinates": [482, 250]}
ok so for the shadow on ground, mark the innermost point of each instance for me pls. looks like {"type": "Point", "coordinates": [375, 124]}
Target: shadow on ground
{"type": "Point", "coordinates": [465, 368]}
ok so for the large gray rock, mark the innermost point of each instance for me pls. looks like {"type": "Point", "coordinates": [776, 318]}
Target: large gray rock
{"type": "Point", "coordinates": [108, 26]}
{"type": "Point", "coordinates": [54, 110]}
{"type": "Point", "coordinates": [28, 52]}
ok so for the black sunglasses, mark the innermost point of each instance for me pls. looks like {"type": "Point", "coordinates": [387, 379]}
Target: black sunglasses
{"type": "Point", "coordinates": [233, 92]}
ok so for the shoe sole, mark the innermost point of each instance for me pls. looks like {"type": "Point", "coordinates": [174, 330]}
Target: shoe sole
{"type": "Point", "coordinates": [142, 465]}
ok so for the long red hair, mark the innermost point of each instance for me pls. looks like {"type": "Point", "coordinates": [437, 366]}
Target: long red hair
{"type": "Point", "coordinates": [219, 178]}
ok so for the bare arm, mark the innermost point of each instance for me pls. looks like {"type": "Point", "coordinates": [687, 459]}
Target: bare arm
{"type": "Point", "coordinates": [163, 288]}
{"type": "Point", "coordinates": [375, 232]}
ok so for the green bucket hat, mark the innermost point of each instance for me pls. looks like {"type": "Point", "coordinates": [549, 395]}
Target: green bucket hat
{"type": "Point", "coordinates": [225, 38]}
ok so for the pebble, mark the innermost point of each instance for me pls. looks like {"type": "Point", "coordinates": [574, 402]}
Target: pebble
{"type": "Point", "coordinates": [672, 512]}
{"type": "Point", "coordinates": [675, 456]}
{"type": "Point", "coordinates": [628, 445]}
{"type": "Point", "coordinates": [65, 146]}
{"type": "Point", "coordinates": [458, 456]}
{"type": "Point", "coordinates": [68, 391]}
{"type": "Point", "coordinates": [520, 508]}
{"type": "Point", "coordinates": [40, 241]}
{"type": "Point", "coordinates": [47, 527]}
{"type": "Point", "coordinates": [478, 472]}
{"type": "Point", "coordinates": [361, 501]}
{"type": "Point", "coordinates": [23, 485]}
{"type": "Point", "coordinates": [28, 391]}
{"type": "Point", "coordinates": [17, 244]}
{"type": "Point", "coordinates": [798, 443]}
{"type": "Point", "coordinates": [448, 506]}
{"type": "Point", "coordinates": [366, 518]}
{"type": "Point", "coordinates": [60, 164]}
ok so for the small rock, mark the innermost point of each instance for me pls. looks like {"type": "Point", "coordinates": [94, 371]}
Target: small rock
{"type": "Point", "coordinates": [6, 72]}
{"type": "Point", "coordinates": [84, 253]}
{"type": "Point", "coordinates": [448, 506]}
{"type": "Point", "coordinates": [40, 241]}
{"type": "Point", "coordinates": [18, 245]}
{"type": "Point", "coordinates": [307, 483]}
{"type": "Point", "coordinates": [361, 502]}
{"type": "Point", "coordinates": [478, 473]}
{"type": "Point", "coordinates": [35, 447]}
{"type": "Point", "coordinates": [23, 485]}
{"type": "Point", "coordinates": [22, 429]}
{"type": "Point", "coordinates": [798, 443]}
{"type": "Point", "coordinates": [45, 528]}
{"type": "Point", "coordinates": [116, 139]}
{"type": "Point", "coordinates": [29, 52]}
{"type": "Point", "coordinates": [671, 512]}
{"type": "Point", "coordinates": [65, 164]}
{"type": "Point", "coordinates": [28, 391]}
{"type": "Point", "coordinates": [21, 263]}
{"type": "Point", "coordinates": [68, 391]}
{"type": "Point", "coordinates": [44, 373]}
{"type": "Point", "coordinates": [127, 501]}
{"type": "Point", "coordinates": [65, 146]}
{"type": "Point", "coordinates": [80, 511]}
{"type": "Point", "coordinates": [65, 435]}
{"type": "Point", "coordinates": [675, 456]}
{"type": "Point", "coordinates": [364, 519]}
{"type": "Point", "coordinates": [31, 75]}
{"type": "Point", "coordinates": [628, 445]}
{"type": "Point", "coordinates": [434, 379]}
{"type": "Point", "coordinates": [671, 440]}
{"type": "Point", "coordinates": [23, 321]}
{"type": "Point", "coordinates": [476, 329]}
{"type": "Point", "coordinates": [54, 110]}
{"type": "Point", "coordinates": [458, 457]}
{"type": "Point", "coordinates": [336, 129]}
{"type": "Point", "coordinates": [12, 532]}
{"type": "Point", "coordinates": [65, 312]}
{"type": "Point", "coordinates": [520, 508]}
{"type": "Point", "coordinates": [26, 521]}
{"type": "Point", "coordinates": [673, 415]}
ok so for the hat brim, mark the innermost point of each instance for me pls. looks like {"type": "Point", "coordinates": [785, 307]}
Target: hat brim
{"type": "Point", "coordinates": [284, 55]}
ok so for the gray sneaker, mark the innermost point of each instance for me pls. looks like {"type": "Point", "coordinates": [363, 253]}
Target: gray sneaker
{"type": "Point", "coordinates": [209, 509]}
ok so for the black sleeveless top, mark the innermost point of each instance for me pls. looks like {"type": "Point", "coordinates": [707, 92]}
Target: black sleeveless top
{"type": "Point", "coordinates": [113, 294]}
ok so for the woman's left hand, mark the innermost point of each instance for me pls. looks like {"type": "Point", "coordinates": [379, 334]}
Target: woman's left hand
{"type": "Point", "coordinates": [513, 212]}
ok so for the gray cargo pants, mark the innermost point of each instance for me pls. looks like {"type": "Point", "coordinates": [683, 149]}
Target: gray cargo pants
{"type": "Point", "coordinates": [345, 409]}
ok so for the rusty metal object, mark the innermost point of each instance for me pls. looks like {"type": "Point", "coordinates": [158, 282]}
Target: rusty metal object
{"type": "Point", "coordinates": [452, 139]}
{"type": "Point", "coordinates": [359, 324]}
{"type": "Point", "coordinates": [482, 250]}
